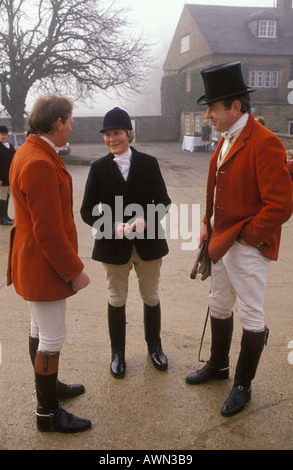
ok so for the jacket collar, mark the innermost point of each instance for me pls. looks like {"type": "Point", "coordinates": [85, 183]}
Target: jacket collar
{"type": "Point", "coordinates": [48, 148]}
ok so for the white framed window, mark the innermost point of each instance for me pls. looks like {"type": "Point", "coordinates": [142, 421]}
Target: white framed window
{"type": "Point", "coordinates": [187, 124]}
{"type": "Point", "coordinates": [252, 78]}
{"type": "Point", "coordinates": [197, 128]}
{"type": "Point", "coordinates": [188, 82]}
{"type": "Point", "coordinates": [267, 79]}
{"type": "Point", "coordinates": [184, 44]}
{"type": "Point", "coordinates": [259, 79]}
{"type": "Point", "coordinates": [275, 79]}
{"type": "Point", "coordinates": [290, 129]}
{"type": "Point", "coordinates": [267, 29]}
{"type": "Point", "coordinates": [264, 78]}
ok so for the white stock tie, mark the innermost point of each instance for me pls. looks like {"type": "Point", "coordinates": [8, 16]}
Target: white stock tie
{"type": "Point", "coordinates": [123, 162]}
{"type": "Point", "coordinates": [227, 136]}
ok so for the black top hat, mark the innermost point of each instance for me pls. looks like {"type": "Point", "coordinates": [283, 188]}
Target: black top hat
{"type": "Point", "coordinates": [3, 130]}
{"type": "Point", "coordinates": [116, 119]}
{"type": "Point", "coordinates": [223, 81]}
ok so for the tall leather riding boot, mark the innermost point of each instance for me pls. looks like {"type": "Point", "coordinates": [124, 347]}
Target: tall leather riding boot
{"type": "Point", "coordinates": [63, 391]}
{"type": "Point", "coordinates": [6, 210]}
{"type": "Point", "coordinates": [117, 332]}
{"type": "Point", "coordinates": [217, 367]}
{"type": "Point", "coordinates": [3, 219]}
{"type": "Point", "coordinates": [252, 344]}
{"type": "Point", "coordinates": [50, 416]}
{"type": "Point", "coordinates": [152, 328]}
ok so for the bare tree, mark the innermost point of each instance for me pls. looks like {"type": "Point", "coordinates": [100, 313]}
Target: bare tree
{"type": "Point", "coordinates": [70, 46]}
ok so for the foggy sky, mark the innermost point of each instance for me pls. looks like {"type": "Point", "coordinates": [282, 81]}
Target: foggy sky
{"type": "Point", "coordinates": [156, 19]}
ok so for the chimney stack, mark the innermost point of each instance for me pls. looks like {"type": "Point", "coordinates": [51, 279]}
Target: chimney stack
{"type": "Point", "coordinates": [284, 10]}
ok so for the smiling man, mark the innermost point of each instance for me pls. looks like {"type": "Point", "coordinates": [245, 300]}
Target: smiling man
{"type": "Point", "coordinates": [249, 197]}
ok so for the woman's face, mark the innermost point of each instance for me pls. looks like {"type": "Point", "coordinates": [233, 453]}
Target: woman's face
{"type": "Point", "coordinates": [117, 141]}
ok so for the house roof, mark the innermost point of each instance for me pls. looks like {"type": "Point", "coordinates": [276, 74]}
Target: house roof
{"type": "Point", "coordinates": [226, 31]}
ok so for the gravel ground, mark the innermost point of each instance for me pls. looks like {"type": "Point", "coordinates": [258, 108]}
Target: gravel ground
{"type": "Point", "coordinates": [149, 410]}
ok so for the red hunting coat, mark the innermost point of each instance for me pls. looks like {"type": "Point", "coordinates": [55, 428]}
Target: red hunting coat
{"type": "Point", "coordinates": [253, 193]}
{"type": "Point", "coordinates": [43, 244]}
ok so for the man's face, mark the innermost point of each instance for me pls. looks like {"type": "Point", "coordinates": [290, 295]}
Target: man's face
{"type": "Point", "coordinates": [221, 118]}
{"type": "Point", "coordinates": [62, 131]}
{"type": "Point", "coordinates": [3, 138]}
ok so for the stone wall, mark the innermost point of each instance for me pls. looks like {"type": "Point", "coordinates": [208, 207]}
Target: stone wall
{"type": "Point", "coordinates": [147, 129]}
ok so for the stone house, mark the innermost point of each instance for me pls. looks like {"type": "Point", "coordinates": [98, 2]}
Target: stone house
{"type": "Point", "coordinates": [260, 38]}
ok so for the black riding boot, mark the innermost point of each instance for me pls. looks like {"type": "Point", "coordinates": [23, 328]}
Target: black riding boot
{"type": "Point", "coordinates": [152, 328]}
{"type": "Point", "coordinates": [217, 367]}
{"type": "Point", "coordinates": [3, 219]}
{"type": "Point", "coordinates": [252, 344]}
{"type": "Point", "coordinates": [50, 416]}
{"type": "Point", "coordinates": [63, 391]}
{"type": "Point", "coordinates": [117, 332]}
{"type": "Point", "coordinates": [6, 210]}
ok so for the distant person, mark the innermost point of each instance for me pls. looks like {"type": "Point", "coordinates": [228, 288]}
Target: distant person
{"type": "Point", "coordinates": [290, 162]}
{"type": "Point", "coordinates": [249, 197]}
{"type": "Point", "coordinates": [205, 135]}
{"type": "Point", "coordinates": [128, 180]}
{"type": "Point", "coordinates": [44, 266]}
{"type": "Point", "coordinates": [7, 151]}
{"type": "Point", "coordinates": [261, 119]}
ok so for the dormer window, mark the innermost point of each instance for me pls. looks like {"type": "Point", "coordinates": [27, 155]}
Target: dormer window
{"type": "Point", "coordinates": [267, 29]}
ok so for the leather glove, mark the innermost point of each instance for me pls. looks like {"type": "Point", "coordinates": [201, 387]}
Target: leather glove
{"type": "Point", "coordinates": [204, 268]}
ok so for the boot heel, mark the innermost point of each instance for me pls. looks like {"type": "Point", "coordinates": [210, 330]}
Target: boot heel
{"type": "Point", "coordinates": [223, 374]}
{"type": "Point", "coordinates": [45, 422]}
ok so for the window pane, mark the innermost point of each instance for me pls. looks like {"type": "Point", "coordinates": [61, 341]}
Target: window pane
{"type": "Point", "coordinates": [275, 79]}
{"type": "Point", "coordinates": [252, 78]}
{"type": "Point", "coordinates": [262, 28]}
{"type": "Point", "coordinates": [271, 29]}
{"type": "Point", "coordinates": [187, 124]}
{"type": "Point", "coordinates": [184, 44]}
{"type": "Point", "coordinates": [259, 79]}
{"type": "Point", "coordinates": [197, 123]}
{"type": "Point", "coordinates": [267, 28]}
{"type": "Point", "coordinates": [267, 81]}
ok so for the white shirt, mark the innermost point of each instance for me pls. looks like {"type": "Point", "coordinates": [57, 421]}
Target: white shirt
{"type": "Point", "coordinates": [230, 133]}
{"type": "Point", "coordinates": [123, 161]}
{"type": "Point", "coordinates": [49, 142]}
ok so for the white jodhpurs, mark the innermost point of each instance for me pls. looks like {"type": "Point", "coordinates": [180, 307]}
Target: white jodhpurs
{"type": "Point", "coordinates": [240, 275]}
{"type": "Point", "coordinates": [48, 324]}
